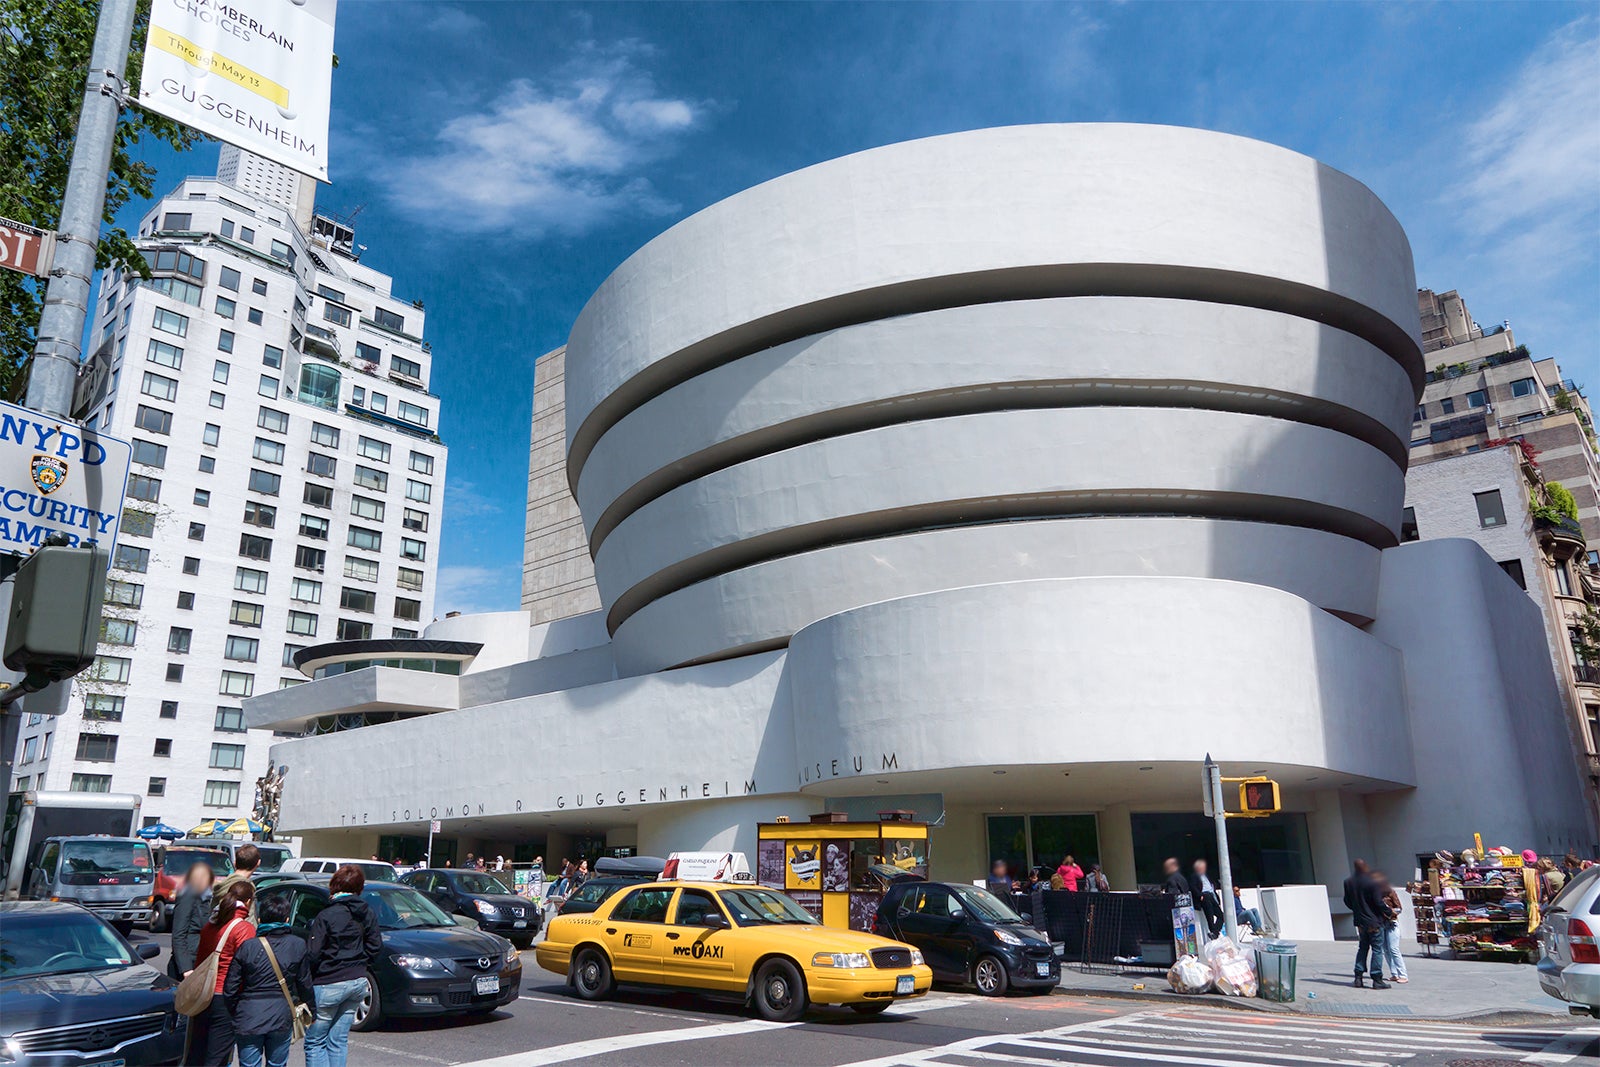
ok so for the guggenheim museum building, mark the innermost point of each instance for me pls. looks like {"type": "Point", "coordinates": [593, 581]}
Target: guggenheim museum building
{"type": "Point", "coordinates": [1000, 477]}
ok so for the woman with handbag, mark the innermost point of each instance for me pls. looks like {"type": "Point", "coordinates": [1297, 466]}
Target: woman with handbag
{"type": "Point", "coordinates": [210, 1039]}
{"type": "Point", "coordinates": [341, 946]}
{"type": "Point", "coordinates": [265, 992]}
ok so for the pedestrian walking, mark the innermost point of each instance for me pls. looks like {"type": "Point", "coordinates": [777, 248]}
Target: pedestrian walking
{"type": "Point", "coordinates": [189, 915]}
{"type": "Point", "coordinates": [1391, 928]}
{"type": "Point", "coordinates": [210, 1039]}
{"type": "Point", "coordinates": [340, 947]}
{"type": "Point", "coordinates": [265, 985]}
{"type": "Point", "coordinates": [1071, 874]}
{"type": "Point", "coordinates": [1366, 909]}
{"type": "Point", "coordinates": [1206, 898]}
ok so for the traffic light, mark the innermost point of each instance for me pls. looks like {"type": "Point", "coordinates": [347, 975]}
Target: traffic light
{"type": "Point", "coordinates": [1259, 797]}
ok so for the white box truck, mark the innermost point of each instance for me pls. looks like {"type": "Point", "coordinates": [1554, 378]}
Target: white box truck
{"type": "Point", "coordinates": [35, 816]}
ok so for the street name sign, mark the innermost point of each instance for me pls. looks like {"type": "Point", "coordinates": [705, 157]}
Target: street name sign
{"type": "Point", "coordinates": [57, 477]}
{"type": "Point", "coordinates": [25, 249]}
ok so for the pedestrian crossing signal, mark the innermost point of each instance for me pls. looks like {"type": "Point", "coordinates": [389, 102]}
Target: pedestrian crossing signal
{"type": "Point", "coordinates": [1259, 797]}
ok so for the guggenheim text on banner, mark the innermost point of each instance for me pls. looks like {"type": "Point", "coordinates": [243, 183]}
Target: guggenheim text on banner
{"type": "Point", "coordinates": [255, 73]}
{"type": "Point", "coordinates": [56, 477]}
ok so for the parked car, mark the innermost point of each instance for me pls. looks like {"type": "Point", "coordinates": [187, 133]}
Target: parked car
{"type": "Point", "coordinates": [1569, 945]}
{"type": "Point", "coordinates": [371, 870]}
{"type": "Point", "coordinates": [74, 991]}
{"type": "Point", "coordinates": [111, 876]}
{"type": "Point", "coordinates": [430, 964]}
{"type": "Point", "coordinates": [482, 897]}
{"type": "Point", "coordinates": [273, 857]}
{"type": "Point", "coordinates": [175, 866]}
{"type": "Point", "coordinates": [968, 935]}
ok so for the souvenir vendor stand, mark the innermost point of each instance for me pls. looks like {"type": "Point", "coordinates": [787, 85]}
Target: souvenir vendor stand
{"type": "Point", "coordinates": [1482, 906]}
{"type": "Point", "coordinates": [837, 869]}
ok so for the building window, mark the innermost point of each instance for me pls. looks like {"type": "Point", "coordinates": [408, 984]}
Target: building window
{"type": "Point", "coordinates": [149, 453]}
{"type": "Point", "coordinates": [244, 613]}
{"type": "Point", "coordinates": [97, 748]}
{"type": "Point", "coordinates": [157, 787]}
{"type": "Point", "coordinates": [175, 220]}
{"type": "Point", "coordinates": [111, 669]}
{"type": "Point", "coordinates": [227, 757]}
{"type": "Point", "coordinates": [249, 581]}
{"type": "Point", "coordinates": [138, 523]}
{"type": "Point", "coordinates": [241, 648]}
{"type": "Point", "coordinates": [422, 463]}
{"type": "Point", "coordinates": [288, 654]}
{"type": "Point", "coordinates": [1477, 398]}
{"type": "Point", "coordinates": [1563, 579]}
{"type": "Point", "coordinates": [314, 526]}
{"type": "Point", "coordinates": [102, 707]}
{"type": "Point", "coordinates": [409, 578]}
{"type": "Point", "coordinates": [372, 448]}
{"type": "Point", "coordinates": [158, 386]}
{"type": "Point", "coordinates": [320, 465]}
{"type": "Point", "coordinates": [411, 548]}
{"type": "Point", "coordinates": [229, 720]}
{"type": "Point", "coordinates": [185, 601]}
{"type": "Point", "coordinates": [1513, 568]}
{"type": "Point", "coordinates": [143, 487]}
{"type": "Point", "coordinates": [369, 354]}
{"type": "Point", "coordinates": [353, 630]}
{"type": "Point", "coordinates": [358, 396]}
{"type": "Point", "coordinates": [358, 600]}
{"type": "Point", "coordinates": [389, 320]}
{"type": "Point", "coordinates": [174, 672]}
{"type": "Point", "coordinates": [178, 638]}
{"type": "Point", "coordinates": [221, 795]}
{"type": "Point", "coordinates": [118, 631]}
{"type": "Point", "coordinates": [421, 492]}
{"type": "Point", "coordinates": [413, 413]}
{"type": "Point", "coordinates": [303, 623]}
{"type": "Point", "coordinates": [211, 434]}
{"type": "Point", "coordinates": [335, 314]}
{"type": "Point", "coordinates": [224, 344]}
{"type": "Point", "coordinates": [169, 709]}
{"type": "Point", "coordinates": [363, 538]}
{"type": "Point", "coordinates": [202, 498]}
{"type": "Point", "coordinates": [368, 478]}
{"type": "Point", "coordinates": [152, 419]}
{"type": "Point", "coordinates": [260, 514]}
{"type": "Point", "coordinates": [307, 590]}
{"type": "Point", "coordinates": [253, 547]}
{"type": "Point", "coordinates": [400, 631]}
{"type": "Point", "coordinates": [90, 783]}
{"type": "Point", "coordinates": [406, 368]}
{"type": "Point", "coordinates": [131, 558]}
{"type": "Point", "coordinates": [264, 482]}
{"type": "Point", "coordinates": [324, 435]}
{"type": "Point", "coordinates": [197, 531]}
{"type": "Point", "coordinates": [237, 684]}
{"type": "Point", "coordinates": [379, 401]}
{"type": "Point", "coordinates": [318, 496]}
{"type": "Point", "coordinates": [258, 287]}
{"type": "Point", "coordinates": [319, 385]}
{"type": "Point", "coordinates": [208, 464]}
{"type": "Point", "coordinates": [410, 610]}
{"type": "Point", "coordinates": [165, 354]}
{"type": "Point", "coordinates": [415, 520]}
{"type": "Point", "coordinates": [229, 279]}
{"type": "Point", "coordinates": [1491, 512]}
{"type": "Point", "coordinates": [267, 386]}
{"type": "Point", "coordinates": [362, 570]}
{"type": "Point", "coordinates": [171, 322]}
{"type": "Point", "coordinates": [253, 316]}
{"type": "Point", "coordinates": [226, 307]}
{"type": "Point", "coordinates": [1448, 405]}
{"type": "Point", "coordinates": [1524, 387]}
{"type": "Point", "coordinates": [367, 508]}
{"type": "Point", "coordinates": [275, 421]}
{"type": "Point", "coordinates": [124, 594]}
{"type": "Point", "coordinates": [272, 356]}
{"type": "Point", "coordinates": [309, 559]}
{"type": "Point", "coordinates": [268, 451]}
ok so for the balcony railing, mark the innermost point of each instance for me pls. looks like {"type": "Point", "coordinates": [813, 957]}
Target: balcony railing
{"type": "Point", "coordinates": [1586, 674]}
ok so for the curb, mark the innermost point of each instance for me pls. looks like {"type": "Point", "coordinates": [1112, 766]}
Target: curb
{"type": "Point", "coordinates": [1164, 997]}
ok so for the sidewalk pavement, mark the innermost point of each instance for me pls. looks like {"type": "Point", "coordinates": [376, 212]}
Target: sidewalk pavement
{"type": "Point", "coordinates": [1490, 993]}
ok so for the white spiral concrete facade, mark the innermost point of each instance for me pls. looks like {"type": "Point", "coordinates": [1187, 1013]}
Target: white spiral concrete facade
{"type": "Point", "coordinates": [1030, 352]}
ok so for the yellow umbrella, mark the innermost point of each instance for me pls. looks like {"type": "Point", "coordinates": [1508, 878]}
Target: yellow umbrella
{"type": "Point", "coordinates": [209, 828]}
{"type": "Point", "coordinates": [243, 826]}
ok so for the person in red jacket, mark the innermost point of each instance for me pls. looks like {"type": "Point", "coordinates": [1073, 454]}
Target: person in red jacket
{"type": "Point", "coordinates": [1071, 874]}
{"type": "Point", "coordinates": [211, 1037]}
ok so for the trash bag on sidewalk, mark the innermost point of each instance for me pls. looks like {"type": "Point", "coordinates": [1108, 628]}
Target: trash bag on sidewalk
{"type": "Point", "coordinates": [1189, 975]}
{"type": "Point", "coordinates": [1231, 970]}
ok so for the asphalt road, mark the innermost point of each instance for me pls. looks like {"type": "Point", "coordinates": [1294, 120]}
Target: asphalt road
{"type": "Point", "coordinates": [646, 1028]}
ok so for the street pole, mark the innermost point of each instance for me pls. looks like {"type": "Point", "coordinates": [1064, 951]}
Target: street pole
{"type": "Point", "coordinates": [1230, 920]}
{"type": "Point", "coordinates": [58, 350]}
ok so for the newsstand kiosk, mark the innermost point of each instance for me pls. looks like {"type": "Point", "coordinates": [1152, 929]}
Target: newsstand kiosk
{"type": "Point", "coordinates": [836, 869]}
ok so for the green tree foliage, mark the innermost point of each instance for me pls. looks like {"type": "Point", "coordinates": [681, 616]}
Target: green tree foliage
{"type": "Point", "coordinates": [44, 61]}
{"type": "Point", "coordinates": [1561, 499]}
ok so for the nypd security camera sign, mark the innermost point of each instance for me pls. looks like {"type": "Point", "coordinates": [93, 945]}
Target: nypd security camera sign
{"type": "Point", "coordinates": [56, 477]}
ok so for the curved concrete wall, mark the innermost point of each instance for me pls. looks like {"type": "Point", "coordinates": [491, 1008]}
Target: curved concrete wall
{"type": "Point", "coordinates": [783, 406]}
{"type": "Point", "coordinates": [1258, 672]}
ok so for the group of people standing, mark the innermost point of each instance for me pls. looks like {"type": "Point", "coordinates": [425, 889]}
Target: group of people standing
{"type": "Point", "coordinates": [265, 970]}
{"type": "Point", "coordinates": [1199, 888]}
{"type": "Point", "coordinates": [1068, 876]}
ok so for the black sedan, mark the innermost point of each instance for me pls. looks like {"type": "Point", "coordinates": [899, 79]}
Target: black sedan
{"type": "Point", "coordinates": [74, 991]}
{"type": "Point", "coordinates": [481, 897]}
{"type": "Point", "coordinates": [968, 935]}
{"type": "Point", "coordinates": [430, 965]}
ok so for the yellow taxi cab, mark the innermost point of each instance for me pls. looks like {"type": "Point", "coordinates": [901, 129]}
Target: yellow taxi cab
{"type": "Point", "coordinates": [729, 938]}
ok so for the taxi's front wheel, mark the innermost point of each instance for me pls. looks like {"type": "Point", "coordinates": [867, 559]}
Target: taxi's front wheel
{"type": "Point", "coordinates": [591, 975]}
{"type": "Point", "coordinates": [780, 992]}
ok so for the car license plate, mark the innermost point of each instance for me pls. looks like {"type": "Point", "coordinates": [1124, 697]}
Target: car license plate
{"type": "Point", "coordinates": [1043, 969]}
{"type": "Point", "coordinates": [487, 983]}
{"type": "Point", "coordinates": [519, 924]}
{"type": "Point", "coordinates": [904, 984]}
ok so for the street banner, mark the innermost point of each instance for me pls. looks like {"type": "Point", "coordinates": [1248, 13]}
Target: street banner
{"type": "Point", "coordinates": [26, 249]}
{"type": "Point", "coordinates": [254, 73]}
{"type": "Point", "coordinates": [57, 477]}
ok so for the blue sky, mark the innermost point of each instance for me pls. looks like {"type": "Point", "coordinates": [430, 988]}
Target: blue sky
{"type": "Point", "coordinates": [508, 156]}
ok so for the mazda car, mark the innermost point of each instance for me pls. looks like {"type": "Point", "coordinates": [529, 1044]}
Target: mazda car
{"type": "Point", "coordinates": [430, 964]}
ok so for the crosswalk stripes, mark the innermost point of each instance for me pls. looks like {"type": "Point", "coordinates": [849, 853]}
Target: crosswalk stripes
{"type": "Point", "coordinates": [1185, 1038]}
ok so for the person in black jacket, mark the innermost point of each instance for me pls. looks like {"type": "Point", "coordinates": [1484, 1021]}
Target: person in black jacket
{"type": "Point", "coordinates": [340, 947]}
{"type": "Point", "coordinates": [1365, 900]}
{"type": "Point", "coordinates": [262, 1018]}
{"type": "Point", "coordinates": [189, 914]}
{"type": "Point", "coordinates": [1176, 885]}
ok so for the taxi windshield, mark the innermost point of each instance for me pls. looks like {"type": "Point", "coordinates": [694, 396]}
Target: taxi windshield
{"type": "Point", "coordinates": [762, 907]}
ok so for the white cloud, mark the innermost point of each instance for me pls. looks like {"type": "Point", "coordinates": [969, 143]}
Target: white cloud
{"type": "Point", "coordinates": [463, 500]}
{"type": "Point", "coordinates": [454, 22]}
{"type": "Point", "coordinates": [562, 155]}
{"type": "Point", "coordinates": [473, 589]}
{"type": "Point", "coordinates": [1532, 162]}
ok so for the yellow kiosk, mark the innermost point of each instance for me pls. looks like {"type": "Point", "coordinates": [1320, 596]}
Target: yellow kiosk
{"type": "Point", "coordinates": [836, 869]}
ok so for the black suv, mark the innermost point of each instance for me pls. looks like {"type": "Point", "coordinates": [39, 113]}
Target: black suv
{"type": "Point", "coordinates": [968, 935]}
{"type": "Point", "coordinates": [481, 897]}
